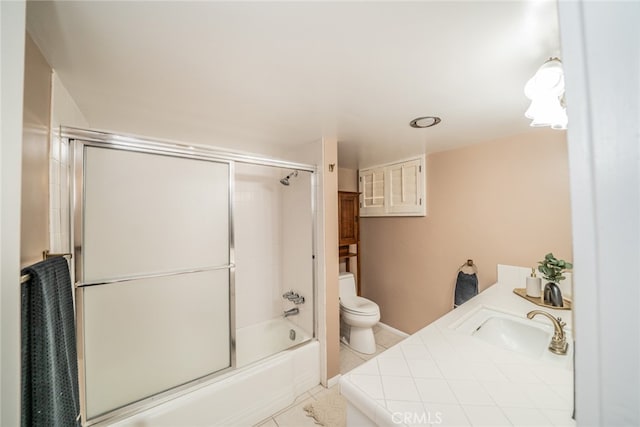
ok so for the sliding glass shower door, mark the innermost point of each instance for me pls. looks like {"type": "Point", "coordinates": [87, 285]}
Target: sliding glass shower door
{"type": "Point", "coordinates": [152, 271]}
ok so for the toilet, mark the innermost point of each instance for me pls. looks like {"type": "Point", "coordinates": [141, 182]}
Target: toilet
{"type": "Point", "coordinates": [357, 317]}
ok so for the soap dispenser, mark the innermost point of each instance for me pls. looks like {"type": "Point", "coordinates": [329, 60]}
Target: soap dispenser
{"type": "Point", "coordinates": [534, 285]}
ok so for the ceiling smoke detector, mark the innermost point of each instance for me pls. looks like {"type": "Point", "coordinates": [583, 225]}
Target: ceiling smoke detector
{"type": "Point", "coordinates": [424, 122]}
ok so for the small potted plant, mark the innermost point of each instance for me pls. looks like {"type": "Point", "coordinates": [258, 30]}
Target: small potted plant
{"type": "Point", "coordinates": [552, 269]}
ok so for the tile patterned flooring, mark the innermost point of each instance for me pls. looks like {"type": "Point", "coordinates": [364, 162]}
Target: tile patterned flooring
{"type": "Point", "coordinates": [294, 415]}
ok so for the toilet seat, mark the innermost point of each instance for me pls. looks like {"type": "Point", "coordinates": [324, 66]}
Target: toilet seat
{"type": "Point", "coordinates": [360, 306]}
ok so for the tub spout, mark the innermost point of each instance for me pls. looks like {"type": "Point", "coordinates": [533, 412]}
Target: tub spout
{"type": "Point", "coordinates": [291, 312]}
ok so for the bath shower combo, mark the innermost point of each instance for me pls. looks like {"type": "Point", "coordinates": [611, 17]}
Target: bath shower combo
{"type": "Point", "coordinates": [197, 289]}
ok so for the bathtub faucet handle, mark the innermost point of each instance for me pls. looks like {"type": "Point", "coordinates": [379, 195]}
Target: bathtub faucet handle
{"type": "Point", "coordinates": [291, 296]}
{"type": "Point", "coordinates": [298, 300]}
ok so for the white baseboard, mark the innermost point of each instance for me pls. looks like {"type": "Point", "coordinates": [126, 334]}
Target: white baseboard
{"type": "Point", "coordinates": [392, 329]}
{"type": "Point", "coordinates": [333, 381]}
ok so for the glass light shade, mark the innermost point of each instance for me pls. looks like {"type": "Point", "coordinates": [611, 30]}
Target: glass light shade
{"type": "Point", "coordinates": [548, 79]}
{"type": "Point", "coordinates": [547, 111]}
{"type": "Point", "coordinates": [546, 91]}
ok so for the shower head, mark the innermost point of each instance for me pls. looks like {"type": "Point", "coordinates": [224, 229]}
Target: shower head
{"type": "Point", "coordinates": [285, 180]}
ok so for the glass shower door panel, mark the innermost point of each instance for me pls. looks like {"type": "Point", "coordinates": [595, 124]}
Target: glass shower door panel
{"type": "Point", "coordinates": [149, 213]}
{"type": "Point", "coordinates": [146, 336]}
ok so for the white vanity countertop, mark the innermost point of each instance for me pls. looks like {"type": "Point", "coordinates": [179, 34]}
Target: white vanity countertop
{"type": "Point", "coordinates": [446, 377]}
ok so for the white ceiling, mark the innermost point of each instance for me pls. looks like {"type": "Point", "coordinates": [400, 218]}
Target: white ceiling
{"type": "Point", "coordinates": [269, 76]}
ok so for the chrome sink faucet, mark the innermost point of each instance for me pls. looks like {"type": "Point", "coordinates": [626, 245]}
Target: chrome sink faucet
{"type": "Point", "coordinates": [558, 343]}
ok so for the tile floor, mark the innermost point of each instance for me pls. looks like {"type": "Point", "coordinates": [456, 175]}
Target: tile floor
{"type": "Point", "coordinates": [350, 359]}
{"type": "Point", "coordinates": [295, 416]}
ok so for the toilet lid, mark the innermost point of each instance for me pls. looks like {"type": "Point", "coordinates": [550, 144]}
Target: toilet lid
{"type": "Point", "coordinates": [359, 305]}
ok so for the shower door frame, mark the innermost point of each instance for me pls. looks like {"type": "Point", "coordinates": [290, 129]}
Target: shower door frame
{"type": "Point", "coordinates": [78, 139]}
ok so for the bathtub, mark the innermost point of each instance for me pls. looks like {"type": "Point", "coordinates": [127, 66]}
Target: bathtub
{"type": "Point", "coordinates": [250, 393]}
{"type": "Point", "coordinates": [256, 342]}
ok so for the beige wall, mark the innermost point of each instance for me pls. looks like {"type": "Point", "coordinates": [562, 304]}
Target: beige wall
{"type": "Point", "coordinates": [330, 186]}
{"type": "Point", "coordinates": [499, 202]}
{"type": "Point", "coordinates": [347, 179]}
{"type": "Point", "coordinates": [34, 235]}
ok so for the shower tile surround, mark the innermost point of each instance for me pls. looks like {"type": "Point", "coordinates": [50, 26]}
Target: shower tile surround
{"type": "Point", "coordinates": [257, 276]}
{"type": "Point", "coordinates": [455, 380]}
{"type": "Point", "coordinates": [282, 228]}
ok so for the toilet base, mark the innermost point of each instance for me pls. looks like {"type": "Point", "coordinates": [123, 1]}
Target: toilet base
{"type": "Point", "coordinates": [362, 340]}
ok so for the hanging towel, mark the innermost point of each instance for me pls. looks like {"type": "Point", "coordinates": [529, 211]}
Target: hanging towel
{"type": "Point", "coordinates": [466, 284]}
{"type": "Point", "coordinates": [466, 288]}
{"type": "Point", "coordinates": [49, 360]}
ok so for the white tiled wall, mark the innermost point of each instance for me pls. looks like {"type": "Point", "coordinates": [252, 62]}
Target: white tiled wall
{"type": "Point", "coordinates": [296, 248]}
{"type": "Point", "coordinates": [257, 226]}
{"type": "Point", "coordinates": [273, 245]}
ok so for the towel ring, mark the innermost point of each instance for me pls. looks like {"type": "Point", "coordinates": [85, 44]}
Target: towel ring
{"type": "Point", "coordinates": [469, 263]}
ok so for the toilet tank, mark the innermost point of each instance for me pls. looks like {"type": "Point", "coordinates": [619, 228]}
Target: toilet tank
{"type": "Point", "coordinates": [347, 284]}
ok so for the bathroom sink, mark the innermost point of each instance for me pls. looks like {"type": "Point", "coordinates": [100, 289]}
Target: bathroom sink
{"type": "Point", "coordinates": [510, 332]}
{"type": "Point", "coordinates": [513, 335]}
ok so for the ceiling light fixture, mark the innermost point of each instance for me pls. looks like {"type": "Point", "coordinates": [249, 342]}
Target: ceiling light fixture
{"type": "Point", "coordinates": [546, 92]}
{"type": "Point", "coordinates": [424, 122]}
